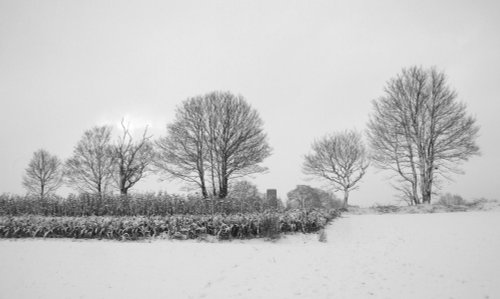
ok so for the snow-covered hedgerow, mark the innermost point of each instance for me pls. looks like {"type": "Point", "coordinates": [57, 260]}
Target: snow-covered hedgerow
{"type": "Point", "coordinates": [255, 225]}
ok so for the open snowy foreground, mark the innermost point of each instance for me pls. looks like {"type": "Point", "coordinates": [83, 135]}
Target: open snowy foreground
{"type": "Point", "coordinates": [452, 255]}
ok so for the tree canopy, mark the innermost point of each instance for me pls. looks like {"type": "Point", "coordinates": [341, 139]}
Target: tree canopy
{"type": "Point", "coordinates": [214, 138]}
{"type": "Point", "coordinates": [420, 132]}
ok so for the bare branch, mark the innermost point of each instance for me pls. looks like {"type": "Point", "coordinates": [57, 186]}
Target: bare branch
{"type": "Point", "coordinates": [132, 158]}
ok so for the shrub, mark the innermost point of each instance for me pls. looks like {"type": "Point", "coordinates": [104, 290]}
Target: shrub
{"type": "Point", "coordinates": [382, 209]}
{"type": "Point", "coordinates": [147, 204]}
{"type": "Point", "coordinates": [270, 226]}
{"type": "Point", "coordinates": [255, 225]}
{"type": "Point", "coordinates": [449, 199]}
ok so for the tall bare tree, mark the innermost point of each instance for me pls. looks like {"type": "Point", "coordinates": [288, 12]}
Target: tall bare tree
{"type": "Point", "coordinates": [340, 158]}
{"type": "Point", "coordinates": [90, 169]}
{"type": "Point", "coordinates": [43, 175]}
{"type": "Point", "coordinates": [238, 143]}
{"type": "Point", "coordinates": [182, 153]}
{"type": "Point", "coordinates": [218, 134]}
{"type": "Point", "coordinates": [132, 158]}
{"type": "Point", "coordinates": [421, 132]}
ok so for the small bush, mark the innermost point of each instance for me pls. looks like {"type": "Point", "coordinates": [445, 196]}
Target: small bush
{"type": "Point", "coordinates": [270, 227]}
{"type": "Point", "coordinates": [449, 199]}
{"type": "Point", "coordinates": [383, 209]}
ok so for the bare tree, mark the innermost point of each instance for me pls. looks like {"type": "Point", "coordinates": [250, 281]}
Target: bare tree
{"type": "Point", "coordinates": [182, 153]}
{"type": "Point", "coordinates": [420, 132]}
{"type": "Point", "coordinates": [395, 151]}
{"type": "Point", "coordinates": [237, 142]}
{"type": "Point", "coordinates": [307, 197]}
{"type": "Point", "coordinates": [340, 159]}
{"type": "Point", "coordinates": [218, 134]}
{"type": "Point", "coordinates": [90, 169]}
{"type": "Point", "coordinates": [132, 159]}
{"type": "Point", "coordinates": [43, 175]}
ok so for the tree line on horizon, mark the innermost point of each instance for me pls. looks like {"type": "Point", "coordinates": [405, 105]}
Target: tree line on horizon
{"type": "Point", "coordinates": [418, 132]}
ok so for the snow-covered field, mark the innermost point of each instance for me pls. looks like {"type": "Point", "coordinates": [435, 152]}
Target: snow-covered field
{"type": "Point", "coordinates": [452, 255]}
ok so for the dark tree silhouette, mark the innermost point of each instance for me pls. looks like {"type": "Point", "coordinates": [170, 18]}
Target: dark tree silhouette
{"type": "Point", "coordinates": [218, 134]}
{"type": "Point", "coordinates": [236, 139]}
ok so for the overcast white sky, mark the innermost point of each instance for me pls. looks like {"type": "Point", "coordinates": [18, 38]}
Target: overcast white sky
{"type": "Point", "coordinates": [308, 67]}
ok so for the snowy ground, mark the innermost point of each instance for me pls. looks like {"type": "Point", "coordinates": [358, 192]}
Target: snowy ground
{"type": "Point", "coordinates": [452, 255]}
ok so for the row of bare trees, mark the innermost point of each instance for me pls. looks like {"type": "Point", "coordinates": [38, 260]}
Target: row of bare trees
{"type": "Point", "coordinates": [97, 163]}
{"type": "Point", "coordinates": [418, 131]}
{"type": "Point", "coordinates": [214, 138]}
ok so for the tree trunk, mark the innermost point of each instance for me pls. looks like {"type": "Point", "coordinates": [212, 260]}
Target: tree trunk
{"type": "Point", "coordinates": [42, 191]}
{"type": "Point", "coordinates": [99, 191]}
{"type": "Point", "coordinates": [346, 197]}
{"type": "Point", "coordinates": [125, 200]}
{"type": "Point", "coordinates": [212, 167]}
{"type": "Point", "coordinates": [204, 192]}
{"type": "Point", "coordinates": [224, 187]}
{"type": "Point", "coordinates": [201, 173]}
{"type": "Point", "coordinates": [414, 187]}
{"type": "Point", "coordinates": [427, 185]}
{"type": "Point", "coordinates": [426, 196]}
{"type": "Point", "coordinates": [123, 182]}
